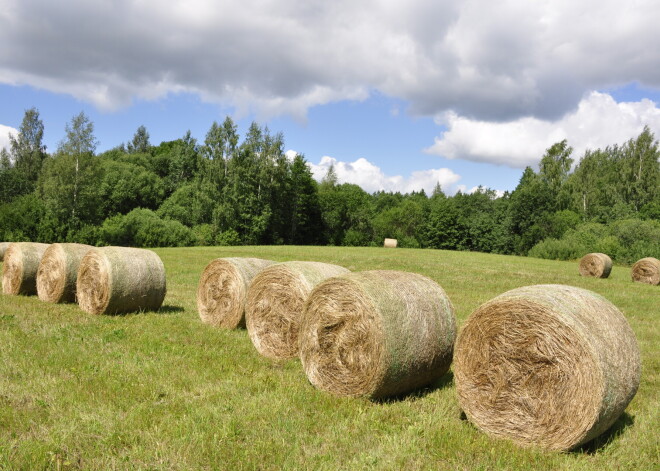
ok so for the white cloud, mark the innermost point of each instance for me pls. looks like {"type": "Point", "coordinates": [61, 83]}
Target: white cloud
{"type": "Point", "coordinates": [371, 178]}
{"type": "Point", "coordinates": [597, 122]}
{"type": "Point", "coordinates": [4, 135]}
{"type": "Point", "coordinates": [483, 60]}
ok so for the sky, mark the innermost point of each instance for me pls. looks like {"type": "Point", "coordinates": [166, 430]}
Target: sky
{"type": "Point", "coordinates": [398, 96]}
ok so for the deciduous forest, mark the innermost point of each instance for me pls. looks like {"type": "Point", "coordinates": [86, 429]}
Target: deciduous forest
{"type": "Point", "coordinates": [243, 190]}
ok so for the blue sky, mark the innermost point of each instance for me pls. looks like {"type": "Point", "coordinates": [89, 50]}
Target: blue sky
{"type": "Point", "coordinates": [397, 97]}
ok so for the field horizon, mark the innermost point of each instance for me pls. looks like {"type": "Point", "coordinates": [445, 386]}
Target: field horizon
{"type": "Point", "coordinates": [162, 390]}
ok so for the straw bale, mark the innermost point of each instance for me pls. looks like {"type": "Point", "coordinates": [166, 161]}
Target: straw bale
{"type": "Point", "coordinates": [390, 243]}
{"type": "Point", "coordinates": [58, 270]}
{"type": "Point", "coordinates": [113, 280]}
{"type": "Point", "coordinates": [19, 270]}
{"type": "Point", "coordinates": [647, 270]}
{"type": "Point", "coordinates": [275, 302]}
{"type": "Point", "coordinates": [3, 247]}
{"type": "Point", "coordinates": [598, 265]}
{"type": "Point", "coordinates": [550, 366]}
{"type": "Point", "coordinates": [222, 290]}
{"type": "Point", "coordinates": [376, 334]}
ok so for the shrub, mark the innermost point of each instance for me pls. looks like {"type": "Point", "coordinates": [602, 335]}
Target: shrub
{"type": "Point", "coordinates": [143, 228]}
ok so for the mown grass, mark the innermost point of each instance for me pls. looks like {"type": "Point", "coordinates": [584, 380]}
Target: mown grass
{"type": "Point", "coordinates": [164, 391]}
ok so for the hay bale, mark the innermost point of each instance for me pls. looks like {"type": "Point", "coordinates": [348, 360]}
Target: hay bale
{"type": "Point", "coordinates": [275, 302]}
{"type": "Point", "coordinates": [58, 271]}
{"type": "Point", "coordinates": [3, 247]}
{"type": "Point", "coordinates": [19, 270]}
{"type": "Point", "coordinates": [390, 243]}
{"type": "Point", "coordinates": [376, 334]}
{"type": "Point", "coordinates": [647, 270]}
{"type": "Point", "coordinates": [598, 265]}
{"type": "Point", "coordinates": [551, 366]}
{"type": "Point", "coordinates": [222, 290]}
{"type": "Point", "coordinates": [113, 280]}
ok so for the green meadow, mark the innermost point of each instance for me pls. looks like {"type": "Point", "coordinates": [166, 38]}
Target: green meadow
{"type": "Point", "coordinates": [162, 391]}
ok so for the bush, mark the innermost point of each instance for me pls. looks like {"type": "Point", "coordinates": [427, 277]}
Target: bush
{"type": "Point", "coordinates": [557, 249]}
{"type": "Point", "coordinates": [204, 234]}
{"type": "Point", "coordinates": [625, 241]}
{"type": "Point", "coordinates": [143, 228]}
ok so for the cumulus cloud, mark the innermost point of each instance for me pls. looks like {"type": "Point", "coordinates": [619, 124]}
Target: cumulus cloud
{"type": "Point", "coordinates": [483, 60]}
{"type": "Point", "coordinates": [597, 122]}
{"type": "Point", "coordinates": [4, 135]}
{"type": "Point", "coordinates": [371, 177]}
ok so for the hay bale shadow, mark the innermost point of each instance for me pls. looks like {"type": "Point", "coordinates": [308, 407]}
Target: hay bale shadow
{"type": "Point", "coordinates": [445, 381]}
{"type": "Point", "coordinates": [609, 436]}
{"type": "Point", "coordinates": [169, 310]}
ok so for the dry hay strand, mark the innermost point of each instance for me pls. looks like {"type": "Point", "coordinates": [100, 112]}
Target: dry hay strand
{"type": "Point", "coordinates": [222, 290]}
{"type": "Point", "coordinates": [275, 302]}
{"type": "Point", "coordinates": [598, 265]}
{"type": "Point", "coordinates": [550, 366]}
{"type": "Point", "coordinates": [58, 271]}
{"type": "Point", "coordinates": [390, 243]}
{"type": "Point", "coordinates": [113, 280]}
{"type": "Point", "coordinates": [3, 248]}
{"type": "Point", "coordinates": [376, 334]}
{"type": "Point", "coordinates": [19, 269]}
{"type": "Point", "coordinates": [647, 270]}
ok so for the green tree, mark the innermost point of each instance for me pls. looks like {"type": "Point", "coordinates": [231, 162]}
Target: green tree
{"type": "Point", "coordinates": [140, 142]}
{"type": "Point", "coordinates": [70, 181]}
{"type": "Point", "coordinates": [27, 152]}
{"type": "Point", "coordinates": [306, 220]}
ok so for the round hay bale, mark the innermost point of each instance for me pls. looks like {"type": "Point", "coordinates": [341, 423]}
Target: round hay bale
{"type": "Point", "coordinates": [113, 280]}
{"type": "Point", "coordinates": [376, 334]}
{"type": "Point", "coordinates": [58, 271]}
{"type": "Point", "coordinates": [647, 270]}
{"type": "Point", "coordinates": [390, 243]}
{"type": "Point", "coordinates": [598, 265]}
{"type": "Point", "coordinates": [551, 366]}
{"type": "Point", "coordinates": [3, 247]}
{"type": "Point", "coordinates": [19, 269]}
{"type": "Point", "coordinates": [222, 290]}
{"type": "Point", "coordinates": [275, 302]}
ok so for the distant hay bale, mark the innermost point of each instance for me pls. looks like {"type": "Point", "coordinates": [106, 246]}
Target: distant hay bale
{"type": "Point", "coordinates": [551, 366]}
{"type": "Point", "coordinates": [222, 290]}
{"type": "Point", "coordinates": [19, 270]}
{"type": "Point", "coordinates": [598, 265]}
{"type": "Point", "coordinates": [275, 303]}
{"type": "Point", "coordinates": [390, 243]}
{"type": "Point", "coordinates": [58, 271]}
{"type": "Point", "coordinates": [3, 247]}
{"type": "Point", "coordinates": [647, 270]}
{"type": "Point", "coordinates": [113, 280]}
{"type": "Point", "coordinates": [376, 334]}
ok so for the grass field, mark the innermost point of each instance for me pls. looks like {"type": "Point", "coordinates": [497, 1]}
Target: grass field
{"type": "Point", "coordinates": [164, 391]}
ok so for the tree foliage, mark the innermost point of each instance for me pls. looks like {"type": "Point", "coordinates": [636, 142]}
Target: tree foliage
{"type": "Point", "coordinates": [231, 191]}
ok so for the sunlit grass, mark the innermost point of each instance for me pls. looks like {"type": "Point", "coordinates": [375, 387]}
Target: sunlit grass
{"type": "Point", "coordinates": [164, 391]}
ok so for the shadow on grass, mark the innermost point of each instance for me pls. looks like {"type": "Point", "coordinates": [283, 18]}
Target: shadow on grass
{"type": "Point", "coordinates": [169, 310]}
{"type": "Point", "coordinates": [606, 438]}
{"type": "Point", "coordinates": [447, 380]}
{"type": "Point", "coordinates": [597, 444]}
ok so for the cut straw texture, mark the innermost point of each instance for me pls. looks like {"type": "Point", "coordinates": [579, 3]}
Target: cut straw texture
{"type": "Point", "coordinates": [275, 303]}
{"type": "Point", "coordinates": [19, 269]}
{"type": "Point", "coordinates": [598, 265]}
{"type": "Point", "coordinates": [390, 243]}
{"type": "Point", "coordinates": [550, 366]}
{"type": "Point", "coordinates": [647, 270]}
{"type": "Point", "coordinates": [3, 247]}
{"type": "Point", "coordinates": [113, 280]}
{"type": "Point", "coordinates": [222, 290]}
{"type": "Point", "coordinates": [58, 271]}
{"type": "Point", "coordinates": [376, 334]}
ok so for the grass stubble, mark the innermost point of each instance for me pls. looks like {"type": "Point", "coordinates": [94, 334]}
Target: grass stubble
{"type": "Point", "coordinates": [162, 390]}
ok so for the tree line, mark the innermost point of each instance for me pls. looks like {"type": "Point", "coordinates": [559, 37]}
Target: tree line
{"type": "Point", "coordinates": [233, 190]}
